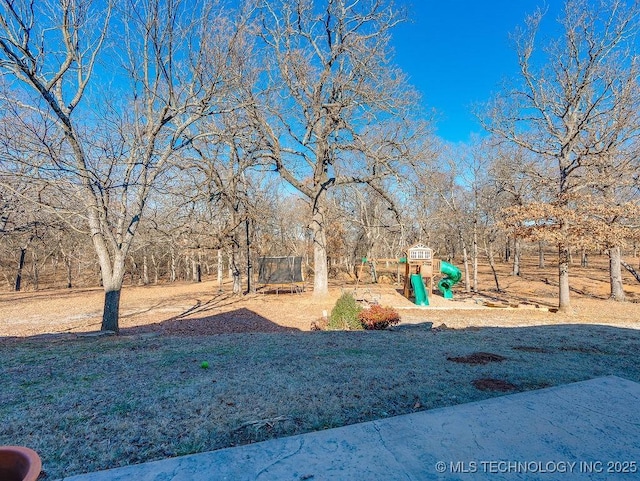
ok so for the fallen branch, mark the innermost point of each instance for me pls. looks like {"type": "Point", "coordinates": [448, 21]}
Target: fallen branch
{"type": "Point", "coordinates": [260, 423]}
{"type": "Point", "coordinates": [634, 273]}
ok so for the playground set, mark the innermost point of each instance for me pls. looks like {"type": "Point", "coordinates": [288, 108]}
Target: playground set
{"type": "Point", "coordinates": [420, 270]}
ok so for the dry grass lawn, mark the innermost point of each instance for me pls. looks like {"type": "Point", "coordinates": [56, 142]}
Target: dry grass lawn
{"type": "Point", "coordinates": [92, 402]}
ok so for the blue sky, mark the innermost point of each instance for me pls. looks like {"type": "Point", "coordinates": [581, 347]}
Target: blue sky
{"type": "Point", "coordinates": [457, 52]}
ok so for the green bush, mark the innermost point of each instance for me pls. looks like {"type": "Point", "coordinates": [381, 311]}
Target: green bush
{"type": "Point", "coordinates": [378, 317]}
{"type": "Point", "coordinates": [344, 315]}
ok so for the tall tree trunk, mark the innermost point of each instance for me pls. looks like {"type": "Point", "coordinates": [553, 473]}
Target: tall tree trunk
{"type": "Point", "coordinates": [492, 263]}
{"type": "Point", "coordinates": [188, 266]}
{"type": "Point", "coordinates": [248, 253]}
{"type": "Point", "coordinates": [112, 271]}
{"type": "Point", "coordinates": [145, 269]}
{"type": "Point", "coordinates": [564, 247]}
{"type": "Point", "coordinates": [111, 310]}
{"type": "Point", "coordinates": [196, 268]}
{"type": "Point", "coordinates": [18, 283]}
{"type": "Point", "coordinates": [36, 269]}
{"type": "Point", "coordinates": [319, 238]}
{"type": "Point", "coordinates": [220, 270]}
{"type": "Point", "coordinates": [474, 255]}
{"type": "Point", "coordinates": [55, 261]}
{"type": "Point", "coordinates": [615, 275]}
{"type": "Point", "coordinates": [564, 299]}
{"type": "Point", "coordinates": [199, 267]}
{"type": "Point", "coordinates": [541, 263]}
{"type": "Point", "coordinates": [515, 271]}
{"type": "Point", "coordinates": [172, 265]}
{"type": "Point", "coordinates": [235, 268]}
{"type": "Point", "coordinates": [112, 278]}
{"type": "Point", "coordinates": [67, 260]}
{"type": "Point", "coordinates": [156, 268]}
{"type": "Point", "coordinates": [465, 262]}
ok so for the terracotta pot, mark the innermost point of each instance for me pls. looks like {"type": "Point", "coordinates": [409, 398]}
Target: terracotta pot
{"type": "Point", "coordinates": [19, 464]}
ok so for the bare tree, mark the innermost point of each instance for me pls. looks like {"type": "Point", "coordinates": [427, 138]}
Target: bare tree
{"type": "Point", "coordinates": [556, 111]}
{"type": "Point", "coordinates": [612, 209]}
{"type": "Point", "coordinates": [231, 182]}
{"type": "Point", "coordinates": [612, 175]}
{"type": "Point", "coordinates": [114, 129]}
{"type": "Point", "coordinates": [335, 110]}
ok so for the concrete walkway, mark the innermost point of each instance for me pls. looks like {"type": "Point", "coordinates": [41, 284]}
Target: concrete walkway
{"type": "Point", "coordinates": [586, 430]}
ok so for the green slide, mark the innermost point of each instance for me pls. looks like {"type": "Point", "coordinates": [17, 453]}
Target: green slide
{"type": "Point", "coordinates": [452, 276]}
{"type": "Point", "coordinates": [419, 290]}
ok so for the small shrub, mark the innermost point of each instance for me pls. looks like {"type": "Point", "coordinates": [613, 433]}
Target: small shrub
{"type": "Point", "coordinates": [344, 314]}
{"type": "Point", "coordinates": [378, 318]}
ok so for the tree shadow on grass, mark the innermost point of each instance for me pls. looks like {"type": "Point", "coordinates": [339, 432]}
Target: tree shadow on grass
{"type": "Point", "coordinates": [232, 322]}
{"type": "Point", "coordinates": [47, 293]}
{"type": "Point", "coordinates": [509, 298]}
{"type": "Point", "coordinates": [203, 318]}
{"type": "Point", "coordinates": [218, 301]}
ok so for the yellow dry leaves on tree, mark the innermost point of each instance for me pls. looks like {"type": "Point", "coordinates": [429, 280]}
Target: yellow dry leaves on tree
{"type": "Point", "coordinates": [587, 223]}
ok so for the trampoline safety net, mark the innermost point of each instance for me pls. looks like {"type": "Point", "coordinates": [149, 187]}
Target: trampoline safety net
{"type": "Point", "coordinates": [280, 270]}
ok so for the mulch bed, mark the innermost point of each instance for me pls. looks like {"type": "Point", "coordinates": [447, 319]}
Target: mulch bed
{"type": "Point", "coordinates": [489, 384]}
